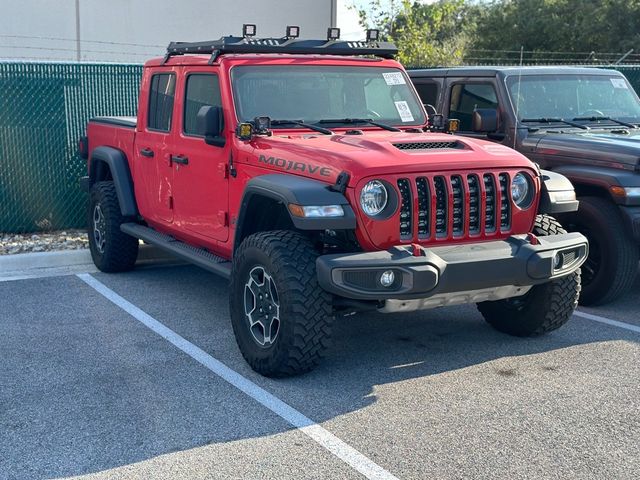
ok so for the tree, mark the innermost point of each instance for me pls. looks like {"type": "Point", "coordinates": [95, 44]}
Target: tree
{"type": "Point", "coordinates": [433, 34]}
{"type": "Point", "coordinates": [564, 26]}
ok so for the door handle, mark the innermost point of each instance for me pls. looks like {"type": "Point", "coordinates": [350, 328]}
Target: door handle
{"type": "Point", "coordinates": [146, 152]}
{"type": "Point", "coordinates": [181, 159]}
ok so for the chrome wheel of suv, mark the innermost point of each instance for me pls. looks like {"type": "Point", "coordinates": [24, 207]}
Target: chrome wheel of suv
{"type": "Point", "coordinates": [262, 306]}
{"type": "Point", "coordinates": [99, 228]}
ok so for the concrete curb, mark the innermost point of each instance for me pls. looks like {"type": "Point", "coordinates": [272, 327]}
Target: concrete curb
{"type": "Point", "coordinates": [65, 262]}
{"type": "Point", "coordinates": [31, 261]}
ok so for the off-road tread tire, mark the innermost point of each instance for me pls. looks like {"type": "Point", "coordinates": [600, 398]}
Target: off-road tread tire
{"type": "Point", "coordinates": [305, 308]}
{"type": "Point", "coordinates": [546, 307]}
{"type": "Point", "coordinates": [121, 250]}
{"type": "Point", "coordinates": [622, 252]}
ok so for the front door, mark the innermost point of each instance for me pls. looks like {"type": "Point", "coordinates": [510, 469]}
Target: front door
{"type": "Point", "coordinates": [153, 171]}
{"type": "Point", "coordinates": [464, 97]}
{"type": "Point", "coordinates": [200, 170]}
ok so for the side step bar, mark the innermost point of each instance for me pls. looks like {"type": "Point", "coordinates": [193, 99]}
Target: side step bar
{"type": "Point", "coordinates": [197, 256]}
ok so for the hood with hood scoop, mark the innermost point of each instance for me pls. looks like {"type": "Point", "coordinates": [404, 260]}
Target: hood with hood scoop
{"type": "Point", "coordinates": [371, 153]}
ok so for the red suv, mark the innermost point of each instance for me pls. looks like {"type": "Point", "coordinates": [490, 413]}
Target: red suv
{"type": "Point", "coordinates": [304, 171]}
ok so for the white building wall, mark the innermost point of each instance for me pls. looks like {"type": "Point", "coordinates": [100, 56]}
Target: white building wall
{"type": "Point", "coordinates": [133, 30]}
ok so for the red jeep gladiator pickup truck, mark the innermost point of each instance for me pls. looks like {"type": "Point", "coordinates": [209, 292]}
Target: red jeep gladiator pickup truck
{"type": "Point", "coordinates": [304, 171]}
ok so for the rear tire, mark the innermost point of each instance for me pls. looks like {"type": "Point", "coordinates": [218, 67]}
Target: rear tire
{"type": "Point", "coordinates": [280, 316]}
{"type": "Point", "coordinates": [542, 309]}
{"type": "Point", "coordinates": [611, 268]}
{"type": "Point", "coordinates": [111, 249]}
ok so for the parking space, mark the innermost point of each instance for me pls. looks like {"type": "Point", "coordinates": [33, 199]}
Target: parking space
{"type": "Point", "coordinates": [89, 390]}
{"type": "Point", "coordinates": [626, 309]}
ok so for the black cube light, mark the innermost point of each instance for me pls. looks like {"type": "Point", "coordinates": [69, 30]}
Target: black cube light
{"type": "Point", "coordinates": [293, 31]}
{"type": "Point", "coordinates": [248, 30]}
{"type": "Point", "coordinates": [333, 33]}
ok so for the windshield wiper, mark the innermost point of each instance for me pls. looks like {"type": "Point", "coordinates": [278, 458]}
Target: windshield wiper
{"type": "Point", "coordinates": [614, 120]}
{"type": "Point", "coordinates": [361, 120]}
{"type": "Point", "coordinates": [555, 120]}
{"type": "Point", "coordinates": [302, 124]}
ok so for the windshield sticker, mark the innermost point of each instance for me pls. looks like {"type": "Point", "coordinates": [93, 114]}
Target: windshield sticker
{"type": "Point", "coordinates": [404, 111]}
{"type": "Point", "coordinates": [618, 83]}
{"type": "Point", "coordinates": [393, 78]}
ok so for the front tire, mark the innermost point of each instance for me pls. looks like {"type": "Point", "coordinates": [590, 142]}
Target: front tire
{"type": "Point", "coordinates": [281, 317]}
{"type": "Point", "coordinates": [111, 249]}
{"type": "Point", "coordinates": [612, 265]}
{"type": "Point", "coordinates": [542, 309]}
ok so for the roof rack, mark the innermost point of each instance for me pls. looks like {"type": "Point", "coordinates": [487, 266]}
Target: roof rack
{"type": "Point", "coordinates": [288, 45]}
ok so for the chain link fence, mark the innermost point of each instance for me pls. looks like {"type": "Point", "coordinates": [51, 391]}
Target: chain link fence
{"type": "Point", "coordinates": [44, 109]}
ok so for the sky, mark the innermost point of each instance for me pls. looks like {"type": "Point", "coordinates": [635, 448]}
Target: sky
{"type": "Point", "coordinates": [349, 21]}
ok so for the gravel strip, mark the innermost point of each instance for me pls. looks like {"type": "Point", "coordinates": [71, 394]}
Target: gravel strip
{"type": "Point", "coordinates": [12, 243]}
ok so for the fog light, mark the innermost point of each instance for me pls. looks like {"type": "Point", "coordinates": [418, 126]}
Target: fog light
{"type": "Point", "coordinates": [557, 261]}
{"type": "Point", "coordinates": [387, 278]}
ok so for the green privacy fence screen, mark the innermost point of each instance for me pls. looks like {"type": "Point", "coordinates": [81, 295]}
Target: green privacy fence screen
{"type": "Point", "coordinates": [632, 73]}
{"type": "Point", "coordinates": [44, 108]}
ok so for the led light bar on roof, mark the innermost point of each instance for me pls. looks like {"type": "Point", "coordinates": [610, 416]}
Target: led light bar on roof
{"type": "Point", "coordinates": [290, 44]}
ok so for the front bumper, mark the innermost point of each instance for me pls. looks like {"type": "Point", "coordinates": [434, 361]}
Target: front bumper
{"type": "Point", "coordinates": [424, 272]}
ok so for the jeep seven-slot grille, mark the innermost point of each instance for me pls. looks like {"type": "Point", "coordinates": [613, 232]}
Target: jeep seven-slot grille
{"type": "Point", "coordinates": [452, 206]}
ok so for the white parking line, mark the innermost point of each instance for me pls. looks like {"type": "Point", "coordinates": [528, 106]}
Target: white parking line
{"type": "Point", "coordinates": [333, 444]}
{"type": "Point", "coordinates": [607, 321]}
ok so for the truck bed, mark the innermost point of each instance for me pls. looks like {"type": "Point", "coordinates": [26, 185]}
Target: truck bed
{"type": "Point", "coordinates": [129, 122]}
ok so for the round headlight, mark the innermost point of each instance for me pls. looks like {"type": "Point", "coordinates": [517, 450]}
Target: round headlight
{"type": "Point", "coordinates": [373, 198]}
{"type": "Point", "coordinates": [521, 190]}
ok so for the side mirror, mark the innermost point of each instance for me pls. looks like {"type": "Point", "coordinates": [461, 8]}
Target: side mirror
{"type": "Point", "coordinates": [484, 120]}
{"type": "Point", "coordinates": [209, 125]}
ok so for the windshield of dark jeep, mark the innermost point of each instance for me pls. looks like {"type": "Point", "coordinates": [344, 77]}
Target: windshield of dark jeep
{"type": "Point", "coordinates": [311, 93]}
{"type": "Point", "coordinates": [569, 97]}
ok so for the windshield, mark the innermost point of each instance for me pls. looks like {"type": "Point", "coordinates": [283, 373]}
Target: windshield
{"type": "Point", "coordinates": [312, 93]}
{"type": "Point", "coordinates": [573, 96]}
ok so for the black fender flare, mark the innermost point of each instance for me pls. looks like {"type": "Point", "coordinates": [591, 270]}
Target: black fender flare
{"type": "Point", "coordinates": [557, 194]}
{"type": "Point", "coordinates": [118, 165]}
{"type": "Point", "coordinates": [292, 189]}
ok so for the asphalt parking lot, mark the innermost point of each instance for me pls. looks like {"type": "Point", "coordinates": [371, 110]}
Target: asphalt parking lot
{"type": "Point", "coordinates": [135, 376]}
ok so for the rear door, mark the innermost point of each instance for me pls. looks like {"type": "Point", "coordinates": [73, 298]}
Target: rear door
{"type": "Point", "coordinates": [201, 173]}
{"type": "Point", "coordinates": [429, 90]}
{"type": "Point", "coordinates": [153, 172]}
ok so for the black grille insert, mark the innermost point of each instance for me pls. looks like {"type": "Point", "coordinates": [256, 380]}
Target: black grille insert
{"type": "Point", "coordinates": [441, 205]}
{"type": "Point", "coordinates": [474, 204]}
{"type": "Point", "coordinates": [424, 200]}
{"type": "Point", "coordinates": [405, 209]}
{"type": "Point", "coordinates": [490, 207]}
{"type": "Point", "coordinates": [505, 205]}
{"type": "Point", "coordinates": [458, 205]}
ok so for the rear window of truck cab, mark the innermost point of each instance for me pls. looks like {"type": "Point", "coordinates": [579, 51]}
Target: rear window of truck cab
{"type": "Point", "coordinates": [319, 92]}
{"type": "Point", "coordinates": [161, 97]}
